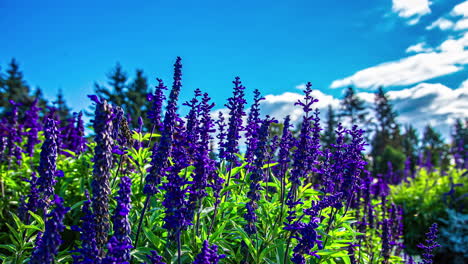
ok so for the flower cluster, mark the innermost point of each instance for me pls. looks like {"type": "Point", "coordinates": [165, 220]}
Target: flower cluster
{"type": "Point", "coordinates": [120, 243]}
{"type": "Point", "coordinates": [208, 255]}
{"type": "Point", "coordinates": [154, 114]}
{"type": "Point", "coordinates": [429, 245]}
{"type": "Point", "coordinates": [48, 244]}
{"type": "Point", "coordinates": [103, 128]}
{"type": "Point", "coordinates": [235, 105]}
{"type": "Point", "coordinates": [256, 177]}
{"type": "Point", "coordinates": [88, 252]}
{"type": "Point", "coordinates": [162, 151]}
{"type": "Point", "coordinates": [47, 166]}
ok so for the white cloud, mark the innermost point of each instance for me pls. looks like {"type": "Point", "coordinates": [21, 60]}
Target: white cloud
{"type": "Point", "coordinates": [442, 24]}
{"type": "Point", "coordinates": [460, 10]}
{"type": "Point", "coordinates": [425, 103]}
{"type": "Point", "coordinates": [418, 48]}
{"type": "Point", "coordinates": [431, 103]}
{"type": "Point", "coordinates": [411, 9]}
{"type": "Point", "coordinates": [464, 85]}
{"type": "Point", "coordinates": [457, 19]}
{"type": "Point", "coordinates": [461, 24]}
{"type": "Point", "coordinates": [448, 58]}
{"type": "Point", "coordinates": [281, 105]}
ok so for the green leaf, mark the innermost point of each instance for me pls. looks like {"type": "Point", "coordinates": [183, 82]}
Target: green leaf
{"type": "Point", "coordinates": [10, 248]}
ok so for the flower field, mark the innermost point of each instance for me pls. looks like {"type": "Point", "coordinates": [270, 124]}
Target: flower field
{"type": "Point", "coordinates": [231, 186]}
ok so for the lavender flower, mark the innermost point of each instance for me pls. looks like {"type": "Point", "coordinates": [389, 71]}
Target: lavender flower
{"type": "Point", "coordinates": [208, 255]}
{"type": "Point", "coordinates": [79, 141]}
{"type": "Point", "coordinates": [177, 214]}
{"type": "Point", "coordinates": [236, 112]}
{"type": "Point", "coordinates": [256, 177]}
{"type": "Point", "coordinates": [31, 127]}
{"type": "Point", "coordinates": [386, 240]}
{"type": "Point", "coordinates": [154, 114]}
{"type": "Point", "coordinates": [34, 199]}
{"type": "Point", "coordinates": [3, 144]}
{"type": "Point", "coordinates": [429, 245]}
{"type": "Point", "coordinates": [162, 151]}
{"type": "Point", "coordinates": [307, 239]}
{"type": "Point", "coordinates": [193, 124]}
{"type": "Point", "coordinates": [204, 166]}
{"type": "Point", "coordinates": [103, 128]}
{"type": "Point", "coordinates": [48, 244]}
{"type": "Point", "coordinates": [14, 139]}
{"type": "Point", "coordinates": [47, 165]}
{"type": "Point", "coordinates": [120, 243]}
{"type": "Point", "coordinates": [155, 258]}
{"type": "Point", "coordinates": [286, 144]}
{"type": "Point", "coordinates": [221, 135]}
{"type": "Point", "coordinates": [253, 125]}
{"type": "Point", "coordinates": [354, 163]}
{"type": "Point", "coordinates": [301, 158]}
{"type": "Point", "coordinates": [88, 252]}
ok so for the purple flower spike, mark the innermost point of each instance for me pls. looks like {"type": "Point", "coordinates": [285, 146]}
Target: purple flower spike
{"type": "Point", "coordinates": [221, 135]}
{"type": "Point", "coordinates": [236, 112]}
{"type": "Point", "coordinates": [31, 127]}
{"type": "Point", "coordinates": [154, 114]}
{"type": "Point", "coordinates": [204, 165]}
{"type": "Point", "coordinates": [303, 157]}
{"type": "Point", "coordinates": [208, 255]}
{"type": "Point", "coordinates": [88, 253]}
{"type": "Point", "coordinates": [103, 127]}
{"type": "Point", "coordinates": [121, 243]}
{"type": "Point", "coordinates": [256, 177]}
{"type": "Point", "coordinates": [13, 134]}
{"type": "Point", "coordinates": [48, 244]}
{"type": "Point", "coordinates": [34, 199]}
{"type": "Point", "coordinates": [192, 118]}
{"type": "Point", "coordinates": [307, 239]}
{"type": "Point", "coordinates": [94, 98]}
{"type": "Point", "coordinates": [429, 245]}
{"type": "Point", "coordinates": [154, 258]}
{"type": "Point", "coordinates": [253, 124]}
{"type": "Point", "coordinates": [47, 164]}
{"type": "Point", "coordinates": [162, 151]}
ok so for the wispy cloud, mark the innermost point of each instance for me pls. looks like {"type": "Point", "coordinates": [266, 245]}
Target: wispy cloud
{"type": "Point", "coordinates": [412, 10]}
{"type": "Point", "coordinates": [456, 20]}
{"type": "Point", "coordinates": [442, 24]}
{"type": "Point", "coordinates": [449, 57]}
{"type": "Point", "coordinates": [431, 103]}
{"type": "Point", "coordinates": [418, 48]}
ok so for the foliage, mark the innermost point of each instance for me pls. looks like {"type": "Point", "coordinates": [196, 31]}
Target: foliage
{"type": "Point", "coordinates": [425, 198]}
{"type": "Point", "coordinates": [170, 199]}
{"type": "Point", "coordinates": [454, 234]}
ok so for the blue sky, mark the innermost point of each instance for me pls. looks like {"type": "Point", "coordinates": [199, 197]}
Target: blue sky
{"type": "Point", "coordinates": [274, 46]}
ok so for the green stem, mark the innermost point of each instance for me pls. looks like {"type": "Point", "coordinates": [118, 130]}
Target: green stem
{"type": "Point", "coordinates": [148, 197]}
{"type": "Point", "coordinates": [179, 260]}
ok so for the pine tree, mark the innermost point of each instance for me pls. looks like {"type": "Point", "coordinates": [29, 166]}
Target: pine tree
{"type": "Point", "coordinates": [434, 149]}
{"type": "Point", "coordinates": [460, 142]}
{"type": "Point", "coordinates": [41, 102]}
{"type": "Point", "coordinates": [136, 96]}
{"type": "Point", "coordinates": [410, 146]}
{"type": "Point", "coordinates": [329, 135]}
{"type": "Point", "coordinates": [353, 108]}
{"type": "Point", "coordinates": [115, 93]}
{"type": "Point", "coordinates": [63, 111]}
{"type": "Point", "coordinates": [14, 88]}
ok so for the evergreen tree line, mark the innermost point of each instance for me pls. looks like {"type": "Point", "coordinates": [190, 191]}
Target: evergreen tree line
{"type": "Point", "coordinates": [396, 146]}
{"type": "Point", "coordinates": [391, 142]}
